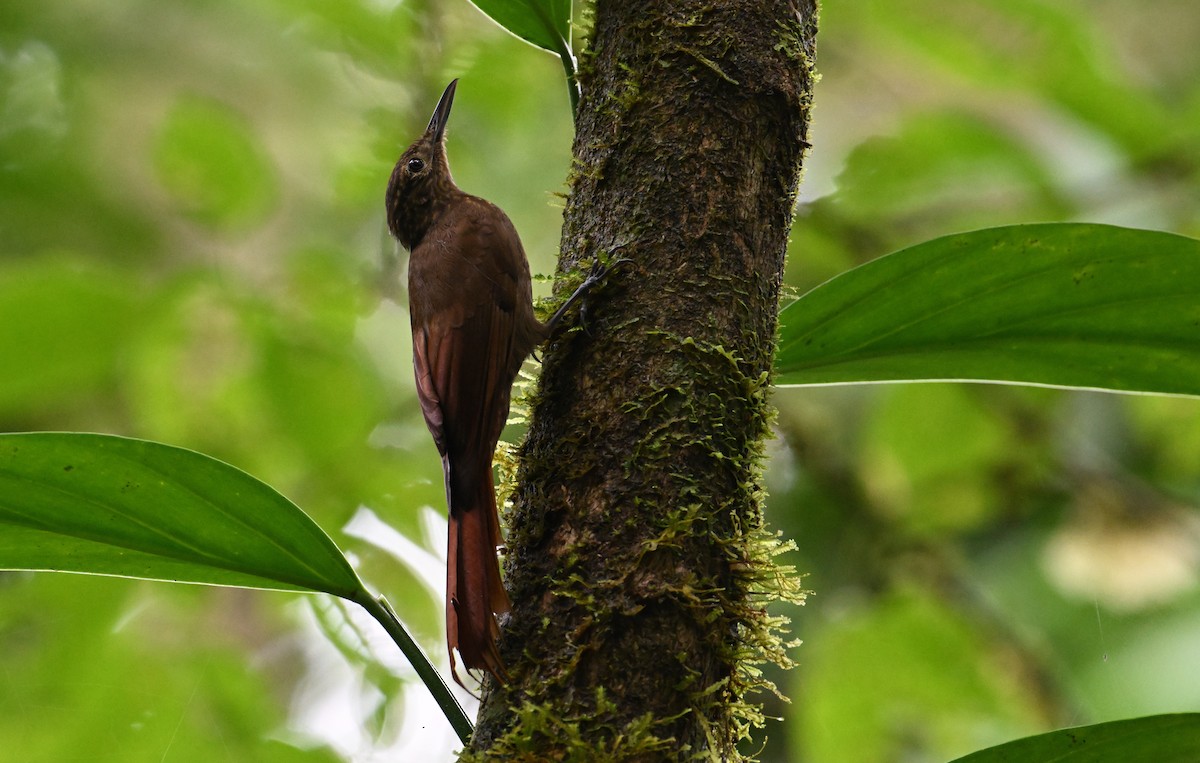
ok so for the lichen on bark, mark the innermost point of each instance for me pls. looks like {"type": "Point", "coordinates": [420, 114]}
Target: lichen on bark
{"type": "Point", "coordinates": [638, 563]}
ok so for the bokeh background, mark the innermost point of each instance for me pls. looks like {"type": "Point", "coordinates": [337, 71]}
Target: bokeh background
{"type": "Point", "coordinates": [193, 250]}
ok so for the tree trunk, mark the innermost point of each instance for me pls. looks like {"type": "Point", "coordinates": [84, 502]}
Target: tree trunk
{"type": "Point", "coordinates": [638, 564]}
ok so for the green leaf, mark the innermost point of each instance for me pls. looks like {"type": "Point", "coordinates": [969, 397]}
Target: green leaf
{"type": "Point", "coordinates": [1160, 738]}
{"type": "Point", "coordinates": [110, 505]}
{"type": "Point", "coordinates": [544, 23]}
{"type": "Point", "coordinates": [1069, 305]}
{"type": "Point", "coordinates": [107, 505]}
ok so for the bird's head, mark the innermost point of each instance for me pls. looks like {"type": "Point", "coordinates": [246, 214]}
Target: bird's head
{"type": "Point", "coordinates": [421, 185]}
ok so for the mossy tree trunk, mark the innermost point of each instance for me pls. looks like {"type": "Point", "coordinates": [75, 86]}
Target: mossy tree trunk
{"type": "Point", "coordinates": [638, 564]}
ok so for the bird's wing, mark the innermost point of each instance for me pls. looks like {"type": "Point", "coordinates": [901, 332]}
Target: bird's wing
{"type": "Point", "coordinates": [467, 283]}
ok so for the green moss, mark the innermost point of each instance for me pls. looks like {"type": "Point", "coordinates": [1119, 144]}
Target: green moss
{"type": "Point", "coordinates": [626, 94]}
{"type": "Point", "coordinates": [574, 737]}
{"type": "Point", "coordinates": [727, 603]}
{"type": "Point", "coordinates": [790, 41]}
{"type": "Point", "coordinates": [708, 62]}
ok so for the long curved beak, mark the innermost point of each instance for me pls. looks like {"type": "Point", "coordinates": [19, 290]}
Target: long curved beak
{"type": "Point", "coordinates": [437, 123]}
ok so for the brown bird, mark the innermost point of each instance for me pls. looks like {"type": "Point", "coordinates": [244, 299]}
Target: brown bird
{"type": "Point", "coordinates": [471, 305]}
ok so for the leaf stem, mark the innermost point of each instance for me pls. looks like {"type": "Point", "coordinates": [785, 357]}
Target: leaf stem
{"type": "Point", "coordinates": [562, 46]}
{"type": "Point", "coordinates": [383, 612]}
{"type": "Point", "coordinates": [571, 69]}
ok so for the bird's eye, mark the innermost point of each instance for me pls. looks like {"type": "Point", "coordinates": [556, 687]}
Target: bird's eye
{"type": "Point", "coordinates": [415, 165]}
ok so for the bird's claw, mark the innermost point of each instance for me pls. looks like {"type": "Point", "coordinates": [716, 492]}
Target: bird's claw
{"type": "Point", "coordinates": [598, 272]}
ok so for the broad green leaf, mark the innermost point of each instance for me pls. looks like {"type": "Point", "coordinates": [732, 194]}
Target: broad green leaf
{"type": "Point", "coordinates": [544, 23]}
{"type": "Point", "coordinates": [116, 506]}
{"type": "Point", "coordinates": [1071, 305]}
{"type": "Point", "coordinates": [107, 505]}
{"type": "Point", "coordinates": [1158, 738]}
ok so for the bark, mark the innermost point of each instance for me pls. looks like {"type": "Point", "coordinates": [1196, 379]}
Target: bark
{"type": "Point", "coordinates": [638, 565]}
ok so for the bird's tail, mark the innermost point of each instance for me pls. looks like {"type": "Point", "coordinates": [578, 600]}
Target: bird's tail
{"type": "Point", "coordinates": [474, 590]}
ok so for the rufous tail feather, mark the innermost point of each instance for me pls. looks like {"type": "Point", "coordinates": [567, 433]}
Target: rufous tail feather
{"type": "Point", "coordinates": [474, 590]}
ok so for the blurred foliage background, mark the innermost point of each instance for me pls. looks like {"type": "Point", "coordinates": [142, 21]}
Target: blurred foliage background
{"type": "Point", "coordinates": [192, 250]}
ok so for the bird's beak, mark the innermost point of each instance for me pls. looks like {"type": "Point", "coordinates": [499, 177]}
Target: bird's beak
{"type": "Point", "coordinates": [437, 123]}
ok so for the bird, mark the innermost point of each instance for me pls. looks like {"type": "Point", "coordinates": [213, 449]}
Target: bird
{"type": "Point", "coordinates": [473, 324]}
